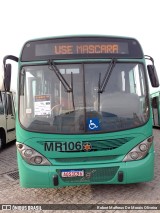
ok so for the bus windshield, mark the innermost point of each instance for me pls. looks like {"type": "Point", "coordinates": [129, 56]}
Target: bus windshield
{"type": "Point", "coordinates": [46, 106]}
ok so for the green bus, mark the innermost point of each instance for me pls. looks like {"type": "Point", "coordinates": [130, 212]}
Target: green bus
{"type": "Point", "coordinates": [155, 102]}
{"type": "Point", "coordinates": [84, 115]}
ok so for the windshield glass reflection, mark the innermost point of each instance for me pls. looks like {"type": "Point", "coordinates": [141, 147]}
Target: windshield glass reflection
{"type": "Point", "coordinates": [46, 106]}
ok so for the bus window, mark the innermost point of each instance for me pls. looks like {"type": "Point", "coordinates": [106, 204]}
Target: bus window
{"type": "Point", "coordinates": [155, 102]}
{"type": "Point", "coordinates": [155, 111]}
{"type": "Point", "coordinates": [136, 77]}
{"type": "Point", "coordinates": [1, 105]}
{"type": "Point", "coordinates": [9, 105]}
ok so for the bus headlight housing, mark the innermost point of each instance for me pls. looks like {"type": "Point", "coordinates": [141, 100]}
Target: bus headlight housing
{"type": "Point", "coordinates": [139, 151]}
{"type": "Point", "coordinates": [31, 156]}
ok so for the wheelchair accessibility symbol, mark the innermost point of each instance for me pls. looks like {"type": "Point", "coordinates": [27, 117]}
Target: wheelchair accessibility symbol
{"type": "Point", "coordinates": [93, 124]}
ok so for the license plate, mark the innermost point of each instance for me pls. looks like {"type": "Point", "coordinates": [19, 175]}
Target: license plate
{"type": "Point", "coordinates": [72, 173]}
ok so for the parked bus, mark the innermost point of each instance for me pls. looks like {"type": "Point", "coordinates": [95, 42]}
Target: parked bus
{"type": "Point", "coordinates": [155, 101]}
{"type": "Point", "coordinates": [7, 118]}
{"type": "Point", "coordinates": [84, 115]}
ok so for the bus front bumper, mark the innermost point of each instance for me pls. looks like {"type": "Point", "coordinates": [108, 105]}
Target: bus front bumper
{"type": "Point", "coordinates": [32, 176]}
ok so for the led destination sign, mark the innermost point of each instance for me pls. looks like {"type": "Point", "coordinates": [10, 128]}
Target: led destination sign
{"type": "Point", "coordinates": [73, 48]}
{"type": "Point", "coordinates": [81, 47]}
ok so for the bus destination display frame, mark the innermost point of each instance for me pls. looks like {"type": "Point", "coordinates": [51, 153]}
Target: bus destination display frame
{"type": "Point", "coordinates": [81, 47]}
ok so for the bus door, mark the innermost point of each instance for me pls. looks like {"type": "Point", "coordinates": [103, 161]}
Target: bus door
{"type": "Point", "coordinates": [155, 111]}
{"type": "Point", "coordinates": [10, 118]}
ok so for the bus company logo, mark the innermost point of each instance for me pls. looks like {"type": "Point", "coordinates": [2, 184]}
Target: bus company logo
{"type": "Point", "coordinates": [87, 147]}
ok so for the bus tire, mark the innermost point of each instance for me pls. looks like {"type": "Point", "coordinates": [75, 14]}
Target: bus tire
{"type": "Point", "coordinates": [2, 139]}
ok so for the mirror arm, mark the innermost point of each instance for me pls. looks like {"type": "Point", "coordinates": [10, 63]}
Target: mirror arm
{"type": "Point", "coordinates": [11, 57]}
{"type": "Point", "coordinates": [149, 58]}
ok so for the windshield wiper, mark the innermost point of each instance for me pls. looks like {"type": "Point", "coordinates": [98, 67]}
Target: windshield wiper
{"type": "Point", "coordinates": [102, 86]}
{"type": "Point", "coordinates": [65, 84]}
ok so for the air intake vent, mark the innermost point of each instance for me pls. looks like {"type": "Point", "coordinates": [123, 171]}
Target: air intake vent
{"type": "Point", "coordinates": [96, 145]}
{"type": "Point", "coordinates": [108, 144]}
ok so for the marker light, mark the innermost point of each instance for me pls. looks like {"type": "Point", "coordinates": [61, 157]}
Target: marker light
{"type": "Point", "coordinates": [139, 151]}
{"type": "Point", "coordinates": [31, 156]}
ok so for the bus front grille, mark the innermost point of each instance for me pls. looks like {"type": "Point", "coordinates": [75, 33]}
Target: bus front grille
{"type": "Point", "coordinates": [86, 159]}
{"type": "Point", "coordinates": [92, 175]}
{"type": "Point", "coordinates": [87, 145]}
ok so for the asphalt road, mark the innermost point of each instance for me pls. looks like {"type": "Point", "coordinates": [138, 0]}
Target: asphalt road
{"type": "Point", "coordinates": [141, 193]}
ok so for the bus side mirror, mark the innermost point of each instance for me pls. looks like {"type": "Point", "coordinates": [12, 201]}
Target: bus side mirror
{"type": "Point", "coordinates": [153, 75]}
{"type": "Point", "coordinates": [7, 77]}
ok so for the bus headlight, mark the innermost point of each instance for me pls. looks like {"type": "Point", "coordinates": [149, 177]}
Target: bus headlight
{"type": "Point", "coordinates": [31, 156]}
{"type": "Point", "coordinates": [134, 155]}
{"type": "Point", "coordinates": [28, 153]}
{"type": "Point", "coordinates": [38, 159]}
{"type": "Point", "coordinates": [139, 151]}
{"type": "Point", "coordinates": [143, 147]}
